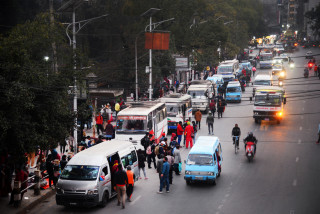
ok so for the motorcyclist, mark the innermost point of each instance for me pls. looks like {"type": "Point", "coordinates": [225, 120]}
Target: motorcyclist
{"type": "Point", "coordinates": [306, 71]}
{"type": "Point", "coordinates": [236, 132]}
{"type": "Point", "coordinates": [251, 138]}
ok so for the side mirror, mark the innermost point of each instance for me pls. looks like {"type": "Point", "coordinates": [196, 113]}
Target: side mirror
{"type": "Point", "coordinates": [285, 100]}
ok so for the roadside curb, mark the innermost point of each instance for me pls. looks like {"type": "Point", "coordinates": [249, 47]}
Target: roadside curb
{"type": "Point", "coordinates": [24, 210]}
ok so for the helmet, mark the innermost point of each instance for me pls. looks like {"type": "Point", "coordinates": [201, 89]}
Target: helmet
{"type": "Point", "coordinates": [188, 123]}
{"type": "Point", "coordinates": [250, 134]}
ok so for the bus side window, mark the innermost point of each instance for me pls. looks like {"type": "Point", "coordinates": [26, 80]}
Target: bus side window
{"type": "Point", "coordinates": [134, 156]}
{"type": "Point", "coordinates": [105, 170]}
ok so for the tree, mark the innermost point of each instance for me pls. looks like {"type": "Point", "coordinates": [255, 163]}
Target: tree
{"type": "Point", "coordinates": [314, 19]}
{"type": "Point", "coordinates": [35, 106]}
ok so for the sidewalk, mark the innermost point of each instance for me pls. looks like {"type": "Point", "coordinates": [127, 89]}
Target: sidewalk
{"type": "Point", "coordinates": [28, 202]}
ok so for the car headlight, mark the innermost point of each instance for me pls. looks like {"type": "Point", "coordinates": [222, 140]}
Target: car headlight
{"type": "Point", "coordinates": [211, 173]}
{"type": "Point", "coordinates": [92, 192]}
{"type": "Point", "coordinates": [59, 190]}
{"type": "Point", "coordinates": [279, 114]}
{"type": "Point", "coordinates": [282, 74]}
{"type": "Point", "coordinates": [188, 173]}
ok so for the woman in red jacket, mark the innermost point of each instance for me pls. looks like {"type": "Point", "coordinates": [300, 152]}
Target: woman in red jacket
{"type": "Point", "coordinates": [179, 132]}
{"type": "Point", "coordinates": [189, 134]}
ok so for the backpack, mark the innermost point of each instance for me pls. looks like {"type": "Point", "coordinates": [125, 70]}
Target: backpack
{"type": "Point", "coordinates": [149, 152]}
{"type": "Point", "coordinates": [156, 150]}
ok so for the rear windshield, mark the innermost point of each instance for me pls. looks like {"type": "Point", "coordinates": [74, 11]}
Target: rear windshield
{"type": "Point", "coordinates": [262, 82]}
{"type": "Point", "coordinates": [80, 172]}
{"type": "Point", "coordinates": [234, 89]}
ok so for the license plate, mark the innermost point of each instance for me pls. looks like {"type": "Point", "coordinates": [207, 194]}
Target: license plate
{"type": "Point", "coordinates": [198, 178]}
{"type": "Point", "coordinates": [73, 204]}
{"type": "Point", "coordinates": [249, 154]}
{"type": "Point", "coordinates": [266, 119]}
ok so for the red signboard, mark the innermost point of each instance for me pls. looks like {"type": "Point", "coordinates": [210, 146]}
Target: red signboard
{"type": "Point", "coordinates": [157, 41]}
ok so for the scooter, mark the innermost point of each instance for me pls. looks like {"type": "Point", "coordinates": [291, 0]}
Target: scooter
{"type": "Point", "coordinates": [250, 150]}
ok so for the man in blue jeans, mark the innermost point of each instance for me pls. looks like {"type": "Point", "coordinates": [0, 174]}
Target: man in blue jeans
{"type": "Point", "coordinates": [164, 180]}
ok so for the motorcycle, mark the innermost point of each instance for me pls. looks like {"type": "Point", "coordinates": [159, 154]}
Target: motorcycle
{"type": "Point", "coordinates": [250, 150]}
{"type": "Point", "coordinates": [306, 73]}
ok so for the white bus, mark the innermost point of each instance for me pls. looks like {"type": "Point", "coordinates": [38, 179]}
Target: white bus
{"type": "Point", "coordinates": [179, 109]}
{"type": "Point", "coordinates": [134, 121]}
{"type": "Point", "coordinates": [228, 67]}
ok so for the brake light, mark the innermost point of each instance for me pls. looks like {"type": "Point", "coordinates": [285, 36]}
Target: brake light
{"type": "Point", "coordinates": [310, 65]}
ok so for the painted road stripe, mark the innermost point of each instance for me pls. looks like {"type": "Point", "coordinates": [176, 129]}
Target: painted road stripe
{"type": "Point", "coordinates": [300, 128]}
{"type": "Point", "coordinates": [135, 200]}
{"type": "Point", "coordinates": [294, 183]}
{"type": "Point", "coordinates": [297, 159]}
{"type": "Point", "coordinates": [299, 141]}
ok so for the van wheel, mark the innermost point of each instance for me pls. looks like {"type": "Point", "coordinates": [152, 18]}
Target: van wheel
{"type": "Point", "coordinates": [188, 182]}
{"type": "Point", "coordinates": [105, 199]}
{"type": "Point", "coordinates": [214, 183]}
{"type": "Point", "coordinates": [256, 121]}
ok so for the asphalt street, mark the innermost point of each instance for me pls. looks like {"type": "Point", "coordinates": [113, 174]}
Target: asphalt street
{"type": "Point", "coordinates": [283, 178]}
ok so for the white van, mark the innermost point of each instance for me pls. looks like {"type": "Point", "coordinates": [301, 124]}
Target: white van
{"type": "Point", "coordinates": [262, 80]}
{"type": "Point", "coordinates": [200, 91]}
{"type": "Point", "coordinates": [87, 179]}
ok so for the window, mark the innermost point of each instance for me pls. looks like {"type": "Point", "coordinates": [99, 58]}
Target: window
{"type": "Point", "coordinates": [134, 156]}
{"type": "Point", "coordinates": [200, 159]}
{"type": "Point", "coordinates": [80, 172]}
{"type": "Point", "coordinates": [161, 113]}
{"type": "Point", "coordinates": [105, 170]}
{"type": "Point", "coordinates": [127, 160]}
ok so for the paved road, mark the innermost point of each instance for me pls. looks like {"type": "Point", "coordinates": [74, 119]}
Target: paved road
{"type": "Point", "coordinates": [284, 177]}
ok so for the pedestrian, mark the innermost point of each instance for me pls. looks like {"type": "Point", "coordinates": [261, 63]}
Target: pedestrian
{"type": "Point", "coordinates": [177, 159]}
{"type": "Point", "coordinates": [179, 132]}
{"type": "Point", "coordinates": [22, 176]}
{"type": "Point", "coordinates": [189, 134]}
{"type": "Point", "coordinates": [145, 141]}
{"type": "Point", "coordinates": [99, 122]}
{"type": "Point", "coordinates": [171, 163]}
{"type": "Point", "coordinates": [131, 178]}
{"type": "Point", "coordinates": [160, 165]}
{"type": "Point", "coordinates": [62, 145]}
{"type": "Point", "coordinates": [210, 121]}
{"type": "Point", "coordinates": [195, 129]}
{"type": "Point", "coordinates": [63, 162]}
{"type": "Point", "coordinates": [49, 168]}
{"type": "Point", "coordinates": [198, 117]}
{"type": "Point", "coordinates": [220, 108]}
{"type": "Point", "coordinates": [153, 155]}
{"type": "Point", "coordinates": [173, 144]}
{"type": "Point", "coordinates": [164, 177]}
{"type": "Point", "coordinates": [315, 70]}
{"type": "Point", "coordinates": [318, 134]}
{"type": "Point", "coordinates": [109, 130]}
{"type": "Point", "coordinates": [141, 164]}
{"type": "Point", "coordinates": [121, 179]}
{"type": "Point", "coordinates": [212, 107]}
{"type": "Point", "coordinates": [56, 170]}
{"type": "Point", "coordinates": [254, 70]}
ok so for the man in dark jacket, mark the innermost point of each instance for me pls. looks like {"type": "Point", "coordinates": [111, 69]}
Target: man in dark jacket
{"type": "Point", "coordinates": [49, 167]}
{"type": "Point", "coordinates": [210, 121]}
{"type": "Point", "coordinates": [109, 130]}
{"type": "Point", "coordinates": [121, 180]}
{"type": "Point", "coordinates": [164, 176]}
{"type": "Point", "coordinates": [236, 132]}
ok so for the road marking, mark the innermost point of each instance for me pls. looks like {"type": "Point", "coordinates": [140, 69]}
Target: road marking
{"type": "Point", "coordinates": [227, 195]}
{"type": "Point", "coordinates": [304, 101]}
{"type": "Point", "coordinates": [297, 159]}
{"type": "Point", "coordinates": [137, 198]}
{"type": "Point", "coordinates": [294, 183]}
{"type": "Point", "coordinates": [301, 116]}
{"type": "Point", "coordinates": [300, 128]}
{"type": "Point", "coordinates": [231, 184]}
{"type": "Point", "coordinates": [292, 211]}
{"type": "Point", "coordinates": [220, 206]}
{"type": "Point", "coordinates": [299, 141]}
{"type": "Point", "coordinates": [303, 109]}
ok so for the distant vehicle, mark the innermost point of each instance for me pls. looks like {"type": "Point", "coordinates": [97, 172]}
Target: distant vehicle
{"type": "Point", "coordinates": [217, 79]}
{"type": "Point", "coordinates": [279, 70]}
{"type": "Point", "coordinates": [138, 118]}
{"type": "Point", "coordinates": [234, 92]}
{"type": "Point", "coordinates": [204, 160]}
{"type": "Point", "coordinates": [178, 109]}
{"type": "Point", "coordinates": [277, 60]}
{"type": "Point", "coordinates": [262, 80]}
{"type": "Point", "coordinates": [266, 60]}
{"type": "Point", "coordinates": [245, 65]}
{"type": "Point", "coordinates": [228, 67]}
{"type": "Point", "coordinates": [284, 57]}
{"type": "Point", "coordinates": [201, 91]}
{"type": "Point", "coordinates": [309, 55]}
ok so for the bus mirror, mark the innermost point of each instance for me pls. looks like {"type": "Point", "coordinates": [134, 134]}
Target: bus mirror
{"type": "Point", "coordinates": [285, 100]}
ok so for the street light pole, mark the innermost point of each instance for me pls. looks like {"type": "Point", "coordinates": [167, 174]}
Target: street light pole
{"type": "Point", "coordinates": [150, 64]}
{"type": "Point", "coordinates": [75, 102]}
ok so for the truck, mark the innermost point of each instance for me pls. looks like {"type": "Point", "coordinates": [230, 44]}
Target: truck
{"type": "Point", "coordinates": [269, 104]}
{"type": "Point", "coordinates": [201, 91]}
{"type": "Point", "coordinates": [178, 109]}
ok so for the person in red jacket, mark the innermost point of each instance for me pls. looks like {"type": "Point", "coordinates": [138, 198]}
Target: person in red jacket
{"type": "Point", "coordinates": [189, 134]}
{"type": "Point", "coordinates": [179, 132]}
{"type": "Point", "coordinates": [99, 122]}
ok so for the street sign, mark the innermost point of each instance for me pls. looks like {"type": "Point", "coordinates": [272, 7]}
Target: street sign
{"type": "Point", "coordinates": [147, 69]}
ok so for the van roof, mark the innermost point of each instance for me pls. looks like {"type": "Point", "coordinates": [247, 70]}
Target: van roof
{"type": "Point", "coordinates": [175, 98]}
{"type": "Point", "coordinates": [263, 77]}
{"type": "Point", "coordinates": [198, 87]}
{"type": "Point", "coordinates": [96, 155]}
{"type": "Point", "coordinates": [200, 82]}
{"type": "Point", "coordinates": [233, 84]}
{"type": "Point", "coordinates": [141, 108]}
{"type": "Point", "coordinates": [205, 145]}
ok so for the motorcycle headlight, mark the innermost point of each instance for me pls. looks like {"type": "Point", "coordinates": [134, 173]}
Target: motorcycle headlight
{"type": "Point", "coordinates": [282, 74]}
{"type": "Point", "coordinates": [188, 173]}
{"type": "Point", "coordinates": [92, 192]}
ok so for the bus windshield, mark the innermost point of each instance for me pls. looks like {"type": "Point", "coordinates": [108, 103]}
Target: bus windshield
{"type": "Point", "coordinates": [132, 124]}
{"type": "Point", "coordinates": [264, 100]}
{"type": "Point", "coordinates": [81, 173]}
{"type": "Point", "coordinates": [225, 69]}
{"type": "Point", "coordinates": [195, 94]}
{"type": "Point", "coordinates": [200, 159]}
{"type": "Point", "coordinates": [266, 57]}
